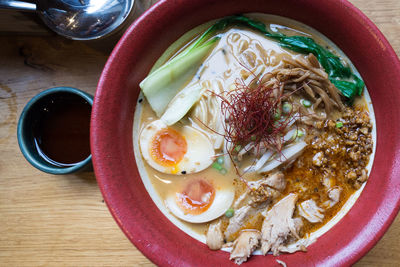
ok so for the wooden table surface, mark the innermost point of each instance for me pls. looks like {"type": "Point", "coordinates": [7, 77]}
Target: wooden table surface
{"type": "Point", "coordinates": [48, 220]}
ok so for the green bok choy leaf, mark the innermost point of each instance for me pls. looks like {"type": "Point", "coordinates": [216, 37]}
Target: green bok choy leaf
{"type": "Point", "coordinates": [163, 84]}
{"type": "Point", "coordinates": [349, 84]}
{"type": "Point", "coordinates": [340, 75]}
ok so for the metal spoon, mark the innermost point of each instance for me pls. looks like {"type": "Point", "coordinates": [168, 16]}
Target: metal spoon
{"type": "Point", "coordinates": [78, 19]}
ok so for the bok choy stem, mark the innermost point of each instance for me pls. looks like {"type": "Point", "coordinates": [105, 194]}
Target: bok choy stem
{"type": "Point", "coordinates": [161, 86]}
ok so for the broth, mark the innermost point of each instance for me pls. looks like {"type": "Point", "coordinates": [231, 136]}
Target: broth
{"type": "Point", "coordinates": [161, 185]}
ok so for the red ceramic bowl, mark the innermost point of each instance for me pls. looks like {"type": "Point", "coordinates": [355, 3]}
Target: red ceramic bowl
{"type": "Point", "coordinates": [116, 97]}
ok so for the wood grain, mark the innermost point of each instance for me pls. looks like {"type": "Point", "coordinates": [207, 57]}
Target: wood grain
{"type": "Point", "coordinates": [48, 220]}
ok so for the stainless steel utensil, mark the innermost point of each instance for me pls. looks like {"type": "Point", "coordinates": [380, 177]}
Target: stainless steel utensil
{"type": "Point", "coordinates": [78, 19]}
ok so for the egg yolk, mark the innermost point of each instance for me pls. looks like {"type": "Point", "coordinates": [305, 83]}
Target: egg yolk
{"type": "Point", "coordinates": [168, 147]}
{"type": "Point", "coordinates": [196, 197]}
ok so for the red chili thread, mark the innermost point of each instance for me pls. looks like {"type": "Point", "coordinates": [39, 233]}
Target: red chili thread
{"type": "Point", "coordinates": [253, 115]}
{"type": "Point", "coordinates": [250, 117]}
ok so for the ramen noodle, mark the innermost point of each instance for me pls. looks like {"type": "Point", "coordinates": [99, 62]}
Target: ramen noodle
{"type": "Point", "coordinates": [248, 141]}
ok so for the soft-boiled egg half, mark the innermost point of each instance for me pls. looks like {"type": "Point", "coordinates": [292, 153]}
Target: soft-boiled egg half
{"type": "Point", "coordinates": [179, 150]}
{"type": "Point", "coordinates": [200, 200]}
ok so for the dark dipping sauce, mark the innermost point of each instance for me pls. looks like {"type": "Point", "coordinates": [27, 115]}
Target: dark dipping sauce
{"type": "Point", "coordinates": [61, 132]}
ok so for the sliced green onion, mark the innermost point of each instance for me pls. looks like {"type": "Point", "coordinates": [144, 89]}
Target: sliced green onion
{"type": "Point", "coordinates": [253, 138]}
{"type": "Point", "coordinates": [286, 108]}
{"type": "Point", "coordinates": [220, 160]}
{"type": "Point", "coordinates": [237, 148]}
{"type": "Point", "coordinates": [305, 103]}
{"type": "Point", "coordinates": [339, 124]}
{"type": "Point", "coordinates": [229, 213]}
{"type": "Point", "coordinates": [216, 166]}
{"type": "Point", "coordinates": [223, 171]}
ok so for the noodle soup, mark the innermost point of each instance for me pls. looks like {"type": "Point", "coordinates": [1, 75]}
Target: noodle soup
{"type": "Point", "coordinates": [254, 145]}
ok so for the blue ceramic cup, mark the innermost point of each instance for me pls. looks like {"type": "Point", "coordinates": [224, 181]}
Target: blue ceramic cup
{"type": "Point", "coordinates": [27, 140]}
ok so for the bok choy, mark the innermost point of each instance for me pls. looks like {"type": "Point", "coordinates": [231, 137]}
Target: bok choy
{"type": "Point", "coordinates": [181, 103]}
{"type": "Point", "coordinates": [162, 85]}
{"type": "Point", "coordinates": [349, 84]}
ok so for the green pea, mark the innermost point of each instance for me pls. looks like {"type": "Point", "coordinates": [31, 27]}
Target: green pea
{"type": "Point", "coordinates": [277, 115]}
{"type": "Point", "coordinates": [216, 166]}
{"type": "Point", "coordinates": [306, 103]}
{"type": "Point", "coordinates": [286, 108]}
{"type": "Point", "coordinates": [229, 213]}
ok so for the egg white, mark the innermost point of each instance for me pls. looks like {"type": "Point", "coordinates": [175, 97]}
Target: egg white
{"type": "Point", "coordinates": [199, 155]}
{"type": "Point", "coordinates": [222, 202]}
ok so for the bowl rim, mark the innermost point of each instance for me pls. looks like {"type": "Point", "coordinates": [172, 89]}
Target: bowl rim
{"type": "Point", "coordinates": [23, 143]}
{"type": "Point", "coordinates": [375, 224]}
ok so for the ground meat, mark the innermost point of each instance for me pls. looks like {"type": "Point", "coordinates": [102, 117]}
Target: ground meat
{"type": "Point", "coordinates": [336, 156]}
{"type": "Point", "coordinates": [351, 143]}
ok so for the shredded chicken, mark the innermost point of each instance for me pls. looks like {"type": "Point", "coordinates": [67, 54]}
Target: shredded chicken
{"type": "Point", "coordinates": [319, 159]}
{"type": "Point", "coordinates": [328, 181]}
{"type": "Point", "coordinates": [237, 221]}
{"type": "Point", "coordinates": [242, 200]}
{"type": "Point", "coordinates": [214, 237]}
{"type": "Point", "coordinates": [279, 227]}
{"type": "Point", "coordinates": [267, 188]}
{"type": "Point", "coordinates": [334, 194]}
{"type": "Point", "coordinates": [281, 263]}
{"type": "Point", "coordinates": [310, 211]}
{"type": "Point", "coordinates": [276, 181]}
{"type": "Point", "coordinates": [334, 197]}
{"type": "Point", "coordinates": [244, 245]}
{"type": "Point", "coordinates": [263, 193]}
{"type": "Point", "coordinates": [253, 202]}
